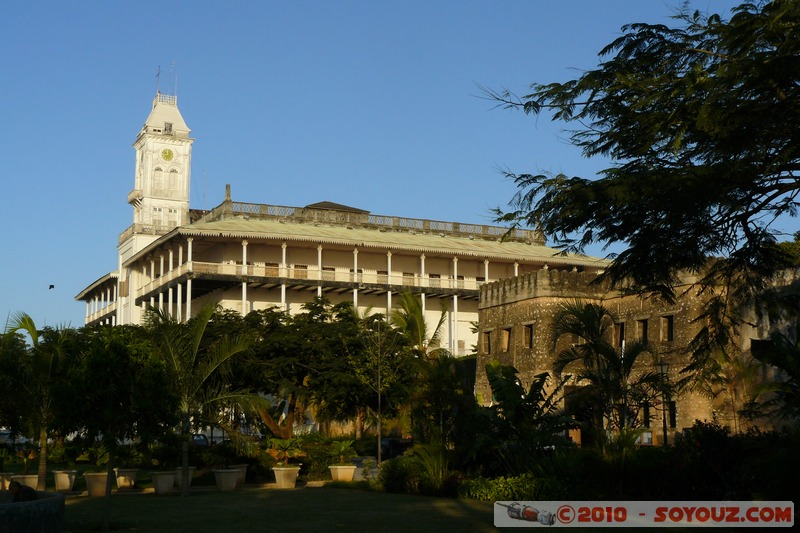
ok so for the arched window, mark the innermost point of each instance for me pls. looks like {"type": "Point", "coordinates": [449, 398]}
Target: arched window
{"type": "Point", "coordinates": [158, 178]}
{"type": "Point", "coordinates": [174, 180]}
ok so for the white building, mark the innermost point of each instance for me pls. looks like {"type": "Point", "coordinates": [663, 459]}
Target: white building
{"type": "Point", "coordinates": [248, 256]}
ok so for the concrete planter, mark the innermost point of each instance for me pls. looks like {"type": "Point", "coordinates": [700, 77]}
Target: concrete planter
{"type": "Point", "coordinates": [95, 483]}
{"type": "Point", "coordinates": [31, 480]}
{"type": "Point", "coordinates": [342, 472]}
{"type": "Point", "coordinates": [226, 478]}
{"type": "Point", "coordinates": [126, 477]}
{"type": "Point", "coordinates": [65, 479]}
{"type": "Point", "coordinates": [179, 476]}
{"type": "Point", "coordinates": [286, 476]}
{"type": "Point", "coordinates": [242, 473]}
{"type": "Point", "coordinates": [163, 482]}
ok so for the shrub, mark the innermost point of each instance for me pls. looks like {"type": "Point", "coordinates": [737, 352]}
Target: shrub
{"type": "Point", "coordinates": [400, 475]}
{"type": "Point", "coordinates": [524, 487]}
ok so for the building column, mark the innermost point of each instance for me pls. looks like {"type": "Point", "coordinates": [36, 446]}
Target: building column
{"type": "Point", "coordinates": [319, 270]}
{"type": "Point", "coordinates": [188, 278]}
{"type": "Point", "coordinates": [244, 281]}
{"type": "Point", "coordinates": [169, 292]}
{"type": "Point", "coordinates": [283, 273]}
{"type": "Point", "coordinates": [454, 313]}
{"type": "Point", "coordinates": [516, 269]}
{"type": "Point", "coordinates": [486, 271]}
{"type": "Point", "coordinates": [423, 282]}
{"type": "Point", "coordinates": [189, 298]}
{"type": "Point", "coordinates": [355, 278]}
{"type": "Point", "coordinates": [180, 303]}
{"type": "Point", "coordinates": [388, 282]}
{"type": "Point", "coordinates": [161, 277]}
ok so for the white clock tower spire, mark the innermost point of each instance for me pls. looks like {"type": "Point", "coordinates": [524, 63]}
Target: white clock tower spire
{"type": "Point", "coordinates": [160, 196]}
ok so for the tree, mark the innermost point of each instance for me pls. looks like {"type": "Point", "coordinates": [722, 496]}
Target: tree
{"type": "Point", "coordinates": [699, 122]}
{"type": "Point", "coordinates": [410, 319]}
{"type": "Point", "coordinates": [611, 388]}
{"type": "Point", "coordinates": [523, 424]}
{"type": "Point", "coordinates": [42, 372]}
{"type": "Point", "coordinates": [196, 364]}
{"type": "Point", "coordinates": [383, 365]}
{"type": "Point", "coordinates": [118, 390]}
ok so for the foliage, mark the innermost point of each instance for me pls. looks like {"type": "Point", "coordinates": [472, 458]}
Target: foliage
{"type": "Point", "coordinates": [783, 351]}
{"type": "Point", "coordinates": [701, 114]}
{"type": "Point", "coordinates": [609, 387]}
{"type": "Point", "coordinates": [39, 368]}
{"type": "Point", "coordinates": [400, 475]}
{"type": "Point", "coordinates": [95, 454]}
{"type": "Point", "coordinates": [523, 424]}
{"type": "Point", "coordinates": [197, 364]}
{"type": "Point", "coordinates": [410, 319]}
{"type": "Point", "coordinates": [523, 487]}
{"type": "Point", "coordinates": [25, 457]}
{"type": "Point", "coordinates": [283, 450]}
{"type": "Point", "coordinates": [343, 450]}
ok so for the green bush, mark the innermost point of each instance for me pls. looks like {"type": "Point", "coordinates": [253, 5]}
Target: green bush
{"type": "Point", "coordinates": [400, 475]}
{"type": "Point", "coordinates": [524, 487]}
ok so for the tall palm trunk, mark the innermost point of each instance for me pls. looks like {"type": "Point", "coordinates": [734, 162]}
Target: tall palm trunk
{"type": "Point", "coordinates": [41, 483]}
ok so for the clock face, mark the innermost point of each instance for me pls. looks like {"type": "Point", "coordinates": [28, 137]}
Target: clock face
{"type": "Point", "coordinates": [166, 154]}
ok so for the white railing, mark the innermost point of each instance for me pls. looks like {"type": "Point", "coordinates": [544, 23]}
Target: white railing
{"type": "Point", "coordinates": [367, 277]}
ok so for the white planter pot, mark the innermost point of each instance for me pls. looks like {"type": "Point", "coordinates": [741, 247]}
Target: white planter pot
{"type": "Point", "coordinates": [31, 480]}
{"type": "Point", "coordinates": [126, 477]}
{"type": "Point", "coordinates": [242, 473]}
{"type": "Point", "coordinates": [96, 483]}
{"type": "Point", "coordinates": [179, 476]}
{"type": "Point", "coordinates": [342, 472]}
{"type": "Point", "coordinates": [226, 478]}
{"type": "Point", "coordinates": [163, 482]}
{"type": "Point", "coordinates": [286, 476]}
{"type": "Point", "coordinates": [65, 479]}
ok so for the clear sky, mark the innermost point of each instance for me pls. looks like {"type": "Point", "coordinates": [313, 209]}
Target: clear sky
{"type": "Point", "coordinates": [372, 104]}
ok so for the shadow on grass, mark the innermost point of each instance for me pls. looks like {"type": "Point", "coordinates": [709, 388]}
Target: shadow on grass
{"type": "Point", "coordinates": [263, 509]}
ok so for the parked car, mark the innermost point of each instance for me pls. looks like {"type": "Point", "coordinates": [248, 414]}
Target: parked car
{"type": "Point", "coordinates": [198, 439]}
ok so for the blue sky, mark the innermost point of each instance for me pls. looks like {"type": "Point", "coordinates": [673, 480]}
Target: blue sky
{"type": "Point", "coordinates": [372, 104]}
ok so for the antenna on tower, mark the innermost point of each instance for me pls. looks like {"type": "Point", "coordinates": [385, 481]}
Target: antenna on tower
{"type": "Point", "coordinates": [158, 80]}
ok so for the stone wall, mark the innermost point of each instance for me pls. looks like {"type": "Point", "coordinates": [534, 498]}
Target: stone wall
{"type": "Point", "coordinates": [45, 515]}
{"type": "Point", "coordinates": [516, 314]}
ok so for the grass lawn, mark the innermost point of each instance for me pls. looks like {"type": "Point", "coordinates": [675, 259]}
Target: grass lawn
{"type": "Point", "coordinates": [260, 509]}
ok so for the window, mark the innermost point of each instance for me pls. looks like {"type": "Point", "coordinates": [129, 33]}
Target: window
{"type": "Point", "coordinates": [480, 279]}
{"type": "Point", "coordinates": [619, 334]}
{"type": "Point", "coordinates": [667, 328]}
{"type": "Point", "coordinates": [505, 339]}
{"type": "Point", "coordinates": [527, 335]}
{"type": "Point", "coordinates": [168, 128]}
{"type": "Point", "coordinates": [487, 342]}
{"type": "Point", "coordinates": [641, 330]}
{"type": "Point", "coordinates": [646, 414]}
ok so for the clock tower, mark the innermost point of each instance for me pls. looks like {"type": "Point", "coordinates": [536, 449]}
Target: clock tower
{"type": "Point", "coordinates": [160, 196]}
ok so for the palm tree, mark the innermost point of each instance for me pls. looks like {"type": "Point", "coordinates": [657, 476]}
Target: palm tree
{"type": "Point", "coordinates": [42, 370]}
{"type": "Point", "coordinates": [410, 319]}
{"type": "Point", "coordinates": [612, 389]}
{"type": "Point", "coordinates": [197, 366]}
